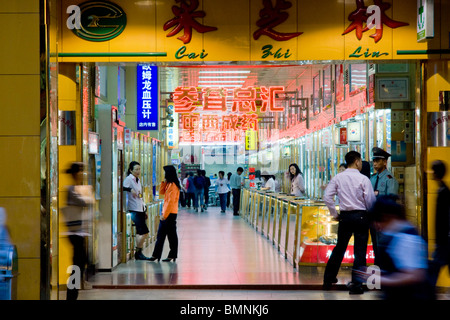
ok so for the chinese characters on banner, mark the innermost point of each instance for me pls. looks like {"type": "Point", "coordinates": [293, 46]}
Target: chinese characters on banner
{"type": "Point", "coordinates": [231, 126]}
{"type": "Point", "coordinates": [147, 97]}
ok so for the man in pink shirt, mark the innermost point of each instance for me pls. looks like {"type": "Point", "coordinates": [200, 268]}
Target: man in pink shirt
{"type": "Point", "coordinates": [356, 198]}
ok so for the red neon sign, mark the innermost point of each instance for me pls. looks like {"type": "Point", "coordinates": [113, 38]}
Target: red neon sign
{"type": "Point", "coordinates": [245, 100]}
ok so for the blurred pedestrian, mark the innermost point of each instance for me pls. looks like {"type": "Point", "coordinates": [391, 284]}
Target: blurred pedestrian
{"type": "Point", "coordinates": [383, 183]}
{"type": "Point", "coordinates": [236, 183]}
{"type": "Point", "coordinates": [402, 252]}
{"type": "Point", "coordinates": [76, 218]}
{"type": "Point", "coordinates": [297, 181]}
{"type": "Point", "coordinates": [199, 183]}
{"type": "Point", "coordinates": [441, 254]}
{"type": "Point", "coordinates": [356, 197]}
{"type": "Point", "coordinates": [229, 174]}
{"type": "Point", "coordinates": [4, 232]}
{"type": "Point", "coordinates": [206, 190]}
{"type": "Point", "coordinates": [136, 207]}
{"type": "Point", "coordinates": [222, 190]}
{"type": "Point", "coordinates": [170, 189]}
{"type": "Point", "coordinates": [190, 191]}
{"type": "Point", "coordinates": [182, 200]}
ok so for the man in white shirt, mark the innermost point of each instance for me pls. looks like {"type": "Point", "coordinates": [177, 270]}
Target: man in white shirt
{"type": "Point", "coordinates": [356, 198]}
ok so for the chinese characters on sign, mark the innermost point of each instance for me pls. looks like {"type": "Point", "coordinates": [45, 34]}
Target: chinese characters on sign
{"type": "Point", "coordinates": [242, 116]}
{"type": "Point", "coordinates": [185, 19]}
{"type": "Point", "coordinates": [272, 16]}
{"type": "Point", "coordinates": [366, 18]}
{"type": "Point", "coordinates": [147, 97]}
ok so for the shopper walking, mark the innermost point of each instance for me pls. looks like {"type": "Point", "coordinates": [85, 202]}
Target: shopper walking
{"type": "Point", "coordinates": [79, 197]}
{"type": "Point", "coordinates": [356, 197]}
{"type": "Point", "coordinates": [441, 254]}
{"type": "Point", "coordinates": [297, 181]}
{"type": "Point", "coordinates": [236, 183]}
{"type": "Point", "coordinates": [199, 183]}
{"type": "Point", "coordinates": [229, 174]}
{"type": "Point", "coordinates": [136, 207]}
{"type": "Point", "coordinates": [206, 190]}
{"type": "Point", "coordinates": [402, 253]}
{"type": "Point", "coordinates": [170, 189]}
{"type": "Point", "coordinates": [222, 190]}
{"type": "Point", "coordinates": [190, 191]}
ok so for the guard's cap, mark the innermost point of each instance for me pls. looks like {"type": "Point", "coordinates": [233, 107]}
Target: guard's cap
{"type": "Point", "coordinates": [378, 153]}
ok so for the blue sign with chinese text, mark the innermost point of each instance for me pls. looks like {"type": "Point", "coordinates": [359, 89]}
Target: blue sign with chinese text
{"type": "Point", "coordinates": [147, 97]}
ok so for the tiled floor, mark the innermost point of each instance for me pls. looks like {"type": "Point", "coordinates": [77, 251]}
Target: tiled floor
{"type": "Point", "coordinates": [221, 257]}
{"type": "Point", "coordinates": [215, 249]}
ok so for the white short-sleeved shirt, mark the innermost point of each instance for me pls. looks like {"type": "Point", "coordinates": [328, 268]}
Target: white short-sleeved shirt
{"type": "Point", "coordinates": [270, 184]}
{"type": "Point", "coordinates": [133, 203]}
{"type": "Point", "coordinates": [222, 185]}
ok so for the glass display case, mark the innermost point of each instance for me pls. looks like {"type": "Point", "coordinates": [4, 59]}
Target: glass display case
{"type": "Point", "coordinates": [301, 229]}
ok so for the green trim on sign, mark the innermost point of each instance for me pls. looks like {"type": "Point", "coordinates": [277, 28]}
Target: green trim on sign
{"type": "Point", "coordinates": [111, 54]}
{"type": "Point", "coordinates": [430, 51]}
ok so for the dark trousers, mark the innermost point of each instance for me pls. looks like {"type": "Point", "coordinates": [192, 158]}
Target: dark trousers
{"type": "Point", "coordinates": [374, 235]}
{"type": "Point", "coordinates": [189, 199]}
{"type": "Point", "coordinates": [441, 257]}
{"type": "Point", "coordinates": [228, 198]}
{"type": "Point", "coordinates": [223, 201]}
{"type": "Point", "coordinates": [79, 260]}
{"type": "Point", "coordinates": [350, 223]}
{"type": "Point", "coordinates": [182, 199]}
{"type": "Point", "coordinates": [167, 228]}
{"type": "Point", "coordinates": [236, 200]}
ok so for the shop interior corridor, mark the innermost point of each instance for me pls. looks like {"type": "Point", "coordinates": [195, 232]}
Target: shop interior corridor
{"type": "Point", "coordinates": [216, 250]}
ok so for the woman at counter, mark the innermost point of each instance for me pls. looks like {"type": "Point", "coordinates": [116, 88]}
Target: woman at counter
{"type": "Point", "coordinates": [269, 179]}
{"type": "Point", "coordinates": [297, 182]}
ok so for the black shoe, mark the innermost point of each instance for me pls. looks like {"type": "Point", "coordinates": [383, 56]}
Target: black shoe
{"type": "Point", "coordinates": [169, 259]}
{"type": "Point", "coordinates": [355, 288]}
{"type": "Point", "coordinates": [153, 259]}
{"type": "Point", "coordinates": [140, 256]}
{"type": "Point", "coordinates": [327, 284]}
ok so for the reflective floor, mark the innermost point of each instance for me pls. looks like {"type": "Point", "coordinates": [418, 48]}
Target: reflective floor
{"type": "Point", "coordinates": [221, 257]}
{"type": "Point", "coordinates": [215, 249]}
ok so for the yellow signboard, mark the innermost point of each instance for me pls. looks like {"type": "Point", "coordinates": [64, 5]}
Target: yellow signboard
{"type": "Point", "coordinates": [245, 30]}
{"type": "Point", "coordinates": [251, 138]}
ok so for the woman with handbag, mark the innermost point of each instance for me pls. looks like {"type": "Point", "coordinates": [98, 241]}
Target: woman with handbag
{"type": "Point", "coordinates": [136, 206]}
{"type": "Point", "coordinates": [170, 189]}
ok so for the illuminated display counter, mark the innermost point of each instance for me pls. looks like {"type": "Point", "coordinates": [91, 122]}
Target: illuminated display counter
{"type": "Point", "coordinates": [301, 229]}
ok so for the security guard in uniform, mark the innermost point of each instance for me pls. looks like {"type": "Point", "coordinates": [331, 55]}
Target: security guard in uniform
{"type": "Point", "coordinates": [383, 183]}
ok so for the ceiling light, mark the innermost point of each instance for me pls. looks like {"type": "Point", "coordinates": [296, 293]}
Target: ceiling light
{"type": "Point", "coordinates": [226, 71]}
{"type": "Point", "coordinates": [222, 77]}
{"type": "Point", "coordinates": [221, 81]}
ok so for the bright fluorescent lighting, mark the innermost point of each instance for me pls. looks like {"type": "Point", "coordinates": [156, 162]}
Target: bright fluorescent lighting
{"type": "Point", "coordinates": [221, 86]}
{"type": "Point", "coordinates": [221, 81]}
{"type": "Point", "coordinates": [222, 77]}
{"type": "Point", "coordinates": [226, 71]}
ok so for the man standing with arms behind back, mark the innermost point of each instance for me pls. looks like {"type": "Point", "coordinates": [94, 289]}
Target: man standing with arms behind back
{"type": "Point", "coordinates": [356, 197]}
{"type": "Point", "coordinates": [383, 181]}
{"type": "Point", "coordinates": [236, 183]}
